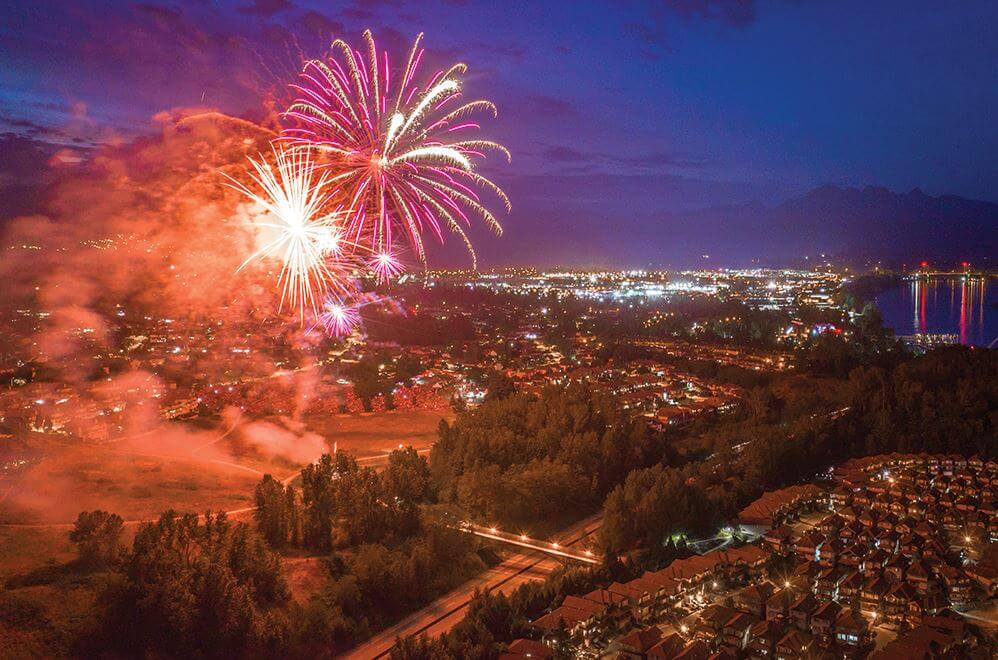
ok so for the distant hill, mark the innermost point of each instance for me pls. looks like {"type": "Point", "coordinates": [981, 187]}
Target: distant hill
{"type": "Point", "coordinates": [848, 222]}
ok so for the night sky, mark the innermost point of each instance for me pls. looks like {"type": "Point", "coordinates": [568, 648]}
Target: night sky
{"type": "Point", "coordinates": [622, 117]}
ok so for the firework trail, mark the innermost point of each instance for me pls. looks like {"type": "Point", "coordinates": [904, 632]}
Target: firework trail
{"type": "Point", "coordinates": [317, 258]}
{"type": "Point", "coordinates": [396, 146]}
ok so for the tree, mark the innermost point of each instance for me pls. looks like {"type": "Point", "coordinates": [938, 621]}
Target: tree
{"type": "Point", "coordinates": [499, 386]}
{"type": "Point", "coordinates": [273, 518]}
{"type": "Point", "coordinates": [193, 588]}
{"type": "Point", "coordinates": [318, 503]}
{"type": "Point", "coordinates": [96, 534]}
{"type": "Point", "coordinates": [407, 476]}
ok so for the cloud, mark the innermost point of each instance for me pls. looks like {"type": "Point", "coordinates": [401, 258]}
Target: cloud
{"type": "Point", "coordinates": [652, 34]}
{"type": "Point", "coordinates": [267, 7]}
{"type": "Point", "coordinates": [562, 154]}
{"type": "Point", "coordinates": [320, 24]}
{"type": "Point", "coordinates": [737, 13]}
{"type": "Point", "coordinates": [653, 161]}
{"type": "Point", "coordinates": [547, 106]}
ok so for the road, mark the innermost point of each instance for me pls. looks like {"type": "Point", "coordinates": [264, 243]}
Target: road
{"type": "Point", "coordinates": [523, 541]}
{"type": "Point", "coordinates": [442, 614]}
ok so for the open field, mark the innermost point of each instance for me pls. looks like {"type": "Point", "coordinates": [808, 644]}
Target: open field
{"type": "Point", "coordinates": [366, 434]}
{"type": "Point", "coordinates": [186, 467]}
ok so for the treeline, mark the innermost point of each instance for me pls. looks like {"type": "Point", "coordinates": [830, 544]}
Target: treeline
{"type": "Point", "coordinates": [944, 402]}
{"type": "Point", "coordinates": [520, 459]}
{"type": "Point", "coordinates": [862, 290]}
{"type": "Point", "coordinates": [189, 587]}
{"type": "Point", "coordinates": [203, 586]}
{"type": "Point", "coordinates": [390, 560]}
{"type": "Point", "coordinates": [342, 504]}
{"type": "Point", "coordinates": [868, 343]}
{"type": "Point", "coordinates": [374, 585]}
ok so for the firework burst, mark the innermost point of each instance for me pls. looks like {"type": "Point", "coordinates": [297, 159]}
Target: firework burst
{"type": "Point", "coordinates": [337, 318]}
{"type": "Point", "coordinates": [311, 242]}
{"type": "Point", "coordinates": [396, 146]}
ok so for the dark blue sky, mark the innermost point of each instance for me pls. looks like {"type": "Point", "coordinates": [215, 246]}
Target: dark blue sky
{"type": "Point", "coordinates": [619, 114]}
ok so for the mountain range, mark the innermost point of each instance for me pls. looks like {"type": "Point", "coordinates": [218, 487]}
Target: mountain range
{"type": "Point", "coordinates": [854, 223]}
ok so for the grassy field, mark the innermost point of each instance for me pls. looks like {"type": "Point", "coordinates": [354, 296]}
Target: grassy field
{"type": "Point", "coordinates": [368, 434]}
{"type": "Point", "coordinates": [184, 466]}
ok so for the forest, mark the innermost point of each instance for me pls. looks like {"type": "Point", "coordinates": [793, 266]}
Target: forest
{"type": "Point", "coordinates": [193, 586]}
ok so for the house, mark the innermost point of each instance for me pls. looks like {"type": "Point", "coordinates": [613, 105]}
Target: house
{"type": "Point", "coordinates": [872, 595]}
{"type": "Point", "coordinates": [851, 629]}
{"type": "Point", "coordinates": [897, 603]}
{"type": "Point", "coordinates": [805, 573]}
{"type": "Point", "coordinates": [958, 586]}
{"type": "Point", "coordinates": [896, 568]}
{"type": "Point", "coordinates": [828, 552]}
{"type": "Point", "coordinates": [925, 606]}
{"type": "Point", "coordinates": [779, 539]}
{"type": "Point", "coordinates": [526, 648]}
{"type": "Point", "coordinates": [735, 635]}
{"type": "Point", "coordinates": [778, 605]}
{"type": "Point", "coordinates": [918, 576]}
{"type": "Point", "coordinates": [807, 545]}
{"type": "Point", "coordinates": [752, 599]}
{"type": "Point", "coordinates": [637, 643]}
{"type": "Point", "coordinates": [831, 524]}
{"type": "Point", "coordinates": [695, 651]}
{"type": "Point", "coordinates": [922, 642]}
{"type": "Point", "coordinates": [823, 620]}
{"type": "Point", "coordinates": [763, 638]}
{"type": "Point", "coordinates": [873, 562]}
{"type": "Point", "coordinates": [850, 587]}
{"type": "Point", "coordinates": [712, 621]}
{"type": "Point", "coordinates": [666, 648]}
{"type": "Point", "coordinates": [827, 585]}
{"type": "Point", "coordinates": [576, 615]}
{"type": "Point", "coordinates": [986, 577]}
{"type": "Point", "coordinates": [802, 609]}
{"type": "Point", "coordinates": [794, 645]}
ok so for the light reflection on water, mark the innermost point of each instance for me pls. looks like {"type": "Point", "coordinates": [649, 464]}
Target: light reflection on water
{"type": "Point", "coordinates": [960, 306]}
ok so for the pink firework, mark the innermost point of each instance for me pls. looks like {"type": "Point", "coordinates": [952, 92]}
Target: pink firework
{"type": "Point", "coordinates": [386, 266]}
{"type": "Point", "coordinates": [398, 145]}
{"type": "Point", "coordinates": [338, 319]}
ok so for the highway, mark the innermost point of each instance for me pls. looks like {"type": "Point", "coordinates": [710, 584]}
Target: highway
{"type": "Point", "coordinates": [442, 614]}
{"type": "Point", "coordinates": [523, 541]}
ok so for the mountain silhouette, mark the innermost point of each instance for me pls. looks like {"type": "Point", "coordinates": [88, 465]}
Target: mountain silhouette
{"type": "Point", "coordinates": [871, 222]}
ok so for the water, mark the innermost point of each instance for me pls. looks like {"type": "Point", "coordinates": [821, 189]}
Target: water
{"type": "Point", "coordinates": [958, 306]}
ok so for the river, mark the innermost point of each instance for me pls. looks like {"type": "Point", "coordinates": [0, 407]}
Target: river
{"type": "Point", "coordinates": [944, 305]}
